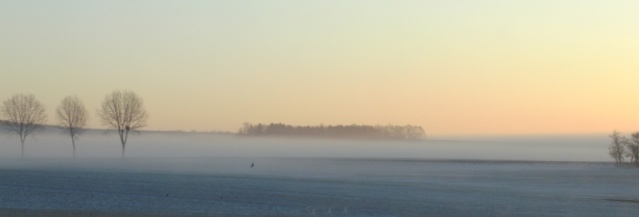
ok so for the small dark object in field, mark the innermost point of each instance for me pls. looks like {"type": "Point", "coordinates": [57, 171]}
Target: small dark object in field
{"type": "Point", "coordinates": [166, 195]}
{"type": "Point", "coordinates": [221, 198]}
{"type": "Point", "coordinates": [252, 164]}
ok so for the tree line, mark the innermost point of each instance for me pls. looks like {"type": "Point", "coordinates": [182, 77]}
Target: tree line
{"type": "Point", "coordinates": [623, 147]}
{"type": "Point", "coordinates": [122, 111]}
{"type": "Point", "coordinates": [392, 132]}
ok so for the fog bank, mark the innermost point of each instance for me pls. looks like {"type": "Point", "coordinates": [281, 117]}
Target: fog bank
{"type": "Point", "coordinates": [186, 145]}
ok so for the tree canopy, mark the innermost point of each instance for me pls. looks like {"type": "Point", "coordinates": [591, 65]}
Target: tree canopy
{"type": "Point", "coordinates": [353, 131]}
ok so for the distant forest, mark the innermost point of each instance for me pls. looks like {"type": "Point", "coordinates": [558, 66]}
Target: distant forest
{"type": "Point", "coordinates": [388, 132]}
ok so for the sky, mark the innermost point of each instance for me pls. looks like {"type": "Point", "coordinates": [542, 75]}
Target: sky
{"type": "Point", "coordinates": [452, 67]}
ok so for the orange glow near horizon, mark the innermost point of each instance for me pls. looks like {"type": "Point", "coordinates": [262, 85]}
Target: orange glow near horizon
{"type": "Point", "coordinates": [495, 67]}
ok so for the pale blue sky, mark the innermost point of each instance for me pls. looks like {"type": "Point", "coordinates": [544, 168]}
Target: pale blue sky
{"type": "Point", "coordinates": [454, 67]}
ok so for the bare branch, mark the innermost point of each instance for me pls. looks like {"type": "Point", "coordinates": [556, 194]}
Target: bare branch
{"type": "Point", "coordinates": [72, 117]}
{"type": "Point", "coordinates": [633, 149]}
{"type": "Point", "coordinates": [24, 115]}
{"type": "Point", "coordinates": [123, 111]}
{"type": "Point", "coordinates": [616, 148]}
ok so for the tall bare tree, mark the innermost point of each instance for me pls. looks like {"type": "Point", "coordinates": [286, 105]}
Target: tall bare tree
{"type": "Point", "coordinates": [616, 148]}
{"type": "Point", "coordinates": [72, 117]}
{"type": "Point", "coordinates": [633, 149]}
{"type": "Point", "coordinates": [123, 111]}
{"type": "Point", "coordinates": [24, 115]}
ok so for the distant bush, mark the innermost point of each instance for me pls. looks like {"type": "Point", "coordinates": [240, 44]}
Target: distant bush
{"type": "Point", "coordinates": [391, 132]}
{"type": "Point", "coordinates": [622, 147]}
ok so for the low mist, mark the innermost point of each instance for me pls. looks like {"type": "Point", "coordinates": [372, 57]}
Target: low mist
{"type": "Point", "coordinates": [52, 144]}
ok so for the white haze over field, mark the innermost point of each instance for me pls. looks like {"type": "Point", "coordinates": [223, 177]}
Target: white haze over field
{"type": "Point", "coordinates": [199, 174]}
{"type": "Point", "coordinates": [51, 144]}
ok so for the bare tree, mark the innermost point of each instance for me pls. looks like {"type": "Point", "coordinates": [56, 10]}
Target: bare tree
{"type": "Point", "coordinates": [633, 149]}
{"type": "Point", "coordinates": [123, 111]}
{"type": "Point", "coordinates": [616, 148]}
{"type": "Point", "coordinates": [72, 117]}
{"type": "Point", "coordinates": [24, 115]}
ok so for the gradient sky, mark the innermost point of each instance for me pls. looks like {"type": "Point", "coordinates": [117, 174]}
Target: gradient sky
{"type": "Point", "coordinates": [453, 67]}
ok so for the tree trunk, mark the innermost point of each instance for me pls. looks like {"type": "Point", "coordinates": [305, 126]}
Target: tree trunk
{"type": "Point", "coordinates": [122, 141]}
{"type": "Point", "coordinates": [123, 138]}
{"type": "Point", "coordinates": [22, 146]}
{"type": "Point", "coordinates": [73, 143]}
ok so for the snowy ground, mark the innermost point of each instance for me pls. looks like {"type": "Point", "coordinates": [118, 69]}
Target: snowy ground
{"type": "Point", "coordinates": [183, 174]}
{"type": "Point", "coordinates": [314, 186]}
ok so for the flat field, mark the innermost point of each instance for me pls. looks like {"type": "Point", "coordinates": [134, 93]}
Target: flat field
{"type": "Point", "coordinates": [227, 186]}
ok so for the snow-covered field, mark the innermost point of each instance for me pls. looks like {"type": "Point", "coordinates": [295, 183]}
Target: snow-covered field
{"type": "Point", "coordinates": [180, 177]}
{"type": "Point", "coordinates": [312, 186]}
